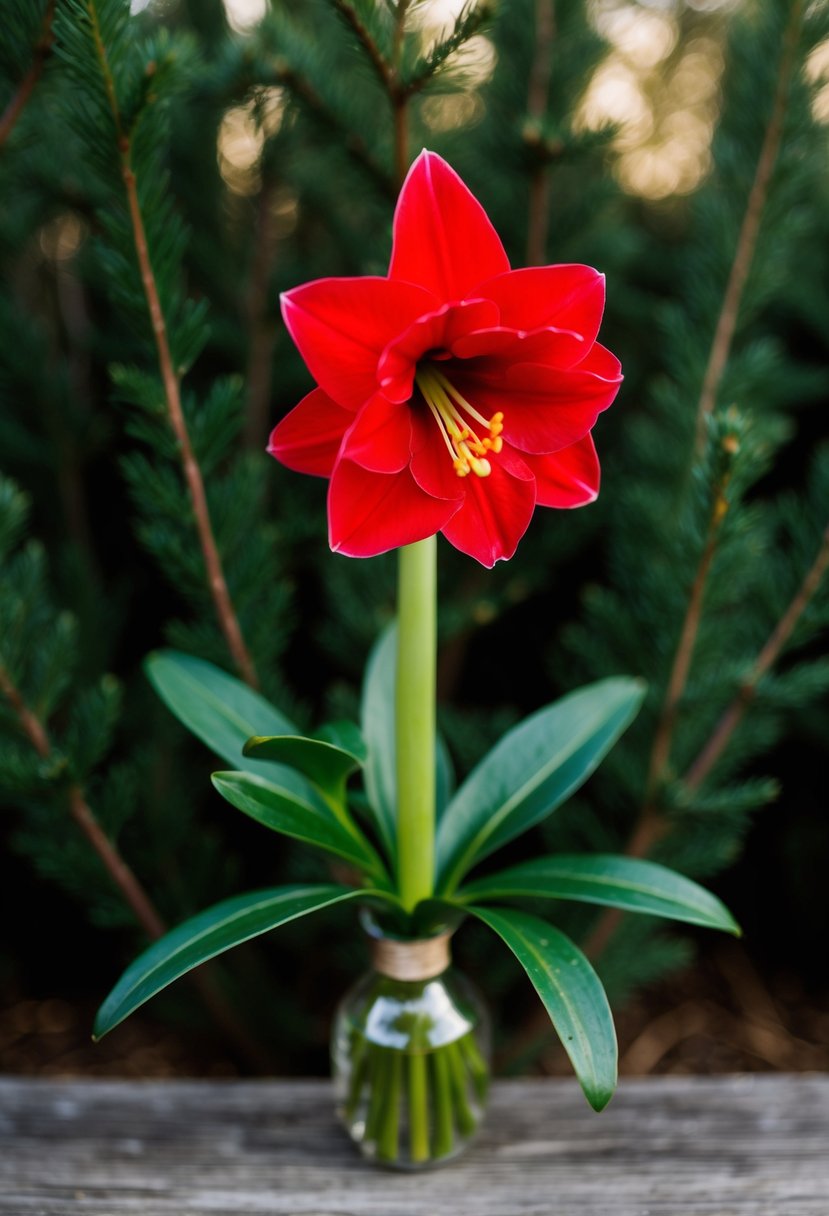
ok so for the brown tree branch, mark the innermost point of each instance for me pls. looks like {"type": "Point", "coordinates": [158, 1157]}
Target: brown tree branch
{"type": "Point", "coordinates": [650, 825]}
{"type": "Point", "coordinates": [42, 50]}
{"type": "Point", "coordinates": [765, 660]}
{"type": "Point", "coordinates": [261, 330]}
{"type": "Point", "coordinates": [118, 870]}
{"type": "Point", "coordinates": [217, 584]}
{"type": "Point", "coordinates": [375, 56]}
{"type": "Point", "coordinates": [749, 231]}
{"type": "Point", "coordinates": [398, 96]}
{"type": "Point", "coordinates": [125, 880]}
{"type": "Point", "coordinates": [537, 98]}
{"type": "Point", "coordinates": [680, 670]}
{"type": "Point", "coordinates": [120, 873]}
{"type": "Point", "coordinates": [354, 144]}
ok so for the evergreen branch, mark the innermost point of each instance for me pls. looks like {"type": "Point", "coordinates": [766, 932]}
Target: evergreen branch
{"type": "Point", "coordinates": [680, 670]}
{"type": "Point", "coordinates": [400, 13]}
{"type": "Point", "coordinates": [116, 867]}
{"type": "Point", "coordinates": [118, 870]}
{"type": "Point", "coordinates": [650, 824]}
{"type": "Point", "coordinates": [388, 72]}
{"type": "Point", "coordinates": [122, 875]}
{"type": "Point", "coordinates": [468, 25]}
{"type": "Point", "coordinates": [42, 49]}
{"type": "Point", "coordinates": [354, 144]}
{"type": "Point", "coordinates": [262, 334]}
{"type": "Point", "coordinates": [537, 99]}
{"type": "Point", "coordinates": [749, 231]}
{"type": "Point", "coordinates": [225, 610]}
{"type": "Point", "coordinates": [376, 58]}
{"type": "Point", "coordinates": [398, 97]}
{"type": "Point", "coordinates": [765, 660]}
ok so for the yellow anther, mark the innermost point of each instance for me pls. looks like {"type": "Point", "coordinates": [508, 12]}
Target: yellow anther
{"type": "Point", "coordinates": [481, 468]}
{"type": "Point", "coordinates": [467, 449]}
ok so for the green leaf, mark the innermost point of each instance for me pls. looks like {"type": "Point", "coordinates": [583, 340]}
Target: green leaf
{"type": "Point", "coordinates": [380, 773]}
{"type": "Point", "coordinates": [604, 878]}
{"type": "Point", "coordinates": [345, 735]}
{"type": "Point", "coordinates": [210, 933]}
{"type": "Point", "coordinates": [571, 992]}
{"type": "Point", "coordinates": [377, 714]}
{"type": "Point", "coordinates": [325, 764]}
{"type": "Point", "coordinates": [531, 771]}
{"type": "Point", "coordinates": [221, 711]}
{"type": "Point", "coordinates": [283, 811]}
{"type": "Point", "coordinates": [444, 777]}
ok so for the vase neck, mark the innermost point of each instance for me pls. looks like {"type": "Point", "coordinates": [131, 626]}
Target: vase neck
{"type": "Point", "coordinates": [413, 960]}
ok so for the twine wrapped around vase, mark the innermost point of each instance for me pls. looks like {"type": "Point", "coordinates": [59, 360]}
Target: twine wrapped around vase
{"type": "Point", "coordinates": [413, 960]}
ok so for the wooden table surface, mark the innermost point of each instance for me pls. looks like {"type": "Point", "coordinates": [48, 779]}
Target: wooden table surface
{"type": "Point", "coordinates": [715, 1146]}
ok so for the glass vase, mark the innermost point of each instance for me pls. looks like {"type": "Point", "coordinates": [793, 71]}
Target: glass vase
{"type": "Point", "coordinates": [411, 1055]}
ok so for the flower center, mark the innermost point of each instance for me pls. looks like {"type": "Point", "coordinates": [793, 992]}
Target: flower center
{"type": "Point", "coordinates": [455, 418]}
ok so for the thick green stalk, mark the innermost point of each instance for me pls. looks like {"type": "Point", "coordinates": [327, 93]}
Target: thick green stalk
{"type": "Point", "coordinates": [415, 720]}
{"type": "Point", "coordinates": [418, 1108]}
{"type": "Point", "coordinates": [442, 1097]}
{"type": "Point", "coordinates": [388, 1136]}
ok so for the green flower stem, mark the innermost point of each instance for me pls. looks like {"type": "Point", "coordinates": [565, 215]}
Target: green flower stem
{"type": "Point", "coordinates": [476, 1065]}
{"type": "Point", "coordinates": [464, 1117]}
{"type": "Point", "coordinates": [377, 1076]}
{"type": "Point", "coordinates": [432, 1086]}
{"type": "Point", "coordinates": [442, 1104]}
{"type": "Point", "coordinates": [415, 720]}
{"type": "Point", "coordinates": [389, 1132]}
{"type": "Point", "coordinates": [418, 1108]}
{"type": "Point", "coordinates": [359, 1074]}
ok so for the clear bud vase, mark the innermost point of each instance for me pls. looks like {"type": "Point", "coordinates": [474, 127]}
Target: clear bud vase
{"type": "Point", "coordinates": [411, 1055]}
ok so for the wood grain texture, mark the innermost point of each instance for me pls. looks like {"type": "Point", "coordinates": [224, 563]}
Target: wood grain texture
{"type": "Point", "coordinates": [667, 1146]}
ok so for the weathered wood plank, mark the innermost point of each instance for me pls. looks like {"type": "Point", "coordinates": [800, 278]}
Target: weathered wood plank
{"type": "Point", "coordinates": [744, 1146]}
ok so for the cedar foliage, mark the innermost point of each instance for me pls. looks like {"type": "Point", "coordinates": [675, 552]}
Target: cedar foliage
{"type": "Point", "coordinates": [265, 159]}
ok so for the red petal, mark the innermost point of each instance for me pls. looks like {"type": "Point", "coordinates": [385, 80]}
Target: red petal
{"type": "Point", "coordinates": [443, 238]}
{"type": "Point", "coordinates": [341, 327]}
{"type": "Point", "coordinates": [545, 408]}
{"type": "Point", "coordinates": [308, 439]}
{"type": "Point", "coordinates": [496, 510]}
{"type": "Point", "coordinates": [565, 298]}
{"type": "Point", "coordinates": [380, 436]}
{"type": "Point", "coordinates": [569, 478]}
{"type": "Point", "coordinates": [370, 513]}
{"type": "Point", "coordinates": [432, 464]}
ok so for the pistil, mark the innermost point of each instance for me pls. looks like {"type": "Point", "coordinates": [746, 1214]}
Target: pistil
{"type": "Point", "coordinates": [454, 415]}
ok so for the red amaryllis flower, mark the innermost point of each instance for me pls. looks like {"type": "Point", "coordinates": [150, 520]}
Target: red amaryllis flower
{"type": "Point", "coordinates": [455, 394]}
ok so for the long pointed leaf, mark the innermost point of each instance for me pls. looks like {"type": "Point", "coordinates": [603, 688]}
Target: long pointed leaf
{"type": "Point", "coordinates": [210, 933]}
{"type": "Point", "coordinates": [604, 878]}
{"type": "Point", "coordinates": [572, 994]}
{"type": "Point", "coordinates": [531, 771]}
{"type": "Point", "coordinates": [282, 811]}
{"type": "Point", "coordinates": [380, 774]}
{"type": "Point", "coordinates": [444, 777]}
{"type": "Point", "coordinates": [221, 711]}
{"type": "Point", "coordinates": [377, 714]}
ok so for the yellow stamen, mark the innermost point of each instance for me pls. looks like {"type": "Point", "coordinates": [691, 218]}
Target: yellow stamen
{"type": "Point", "coordinates": [467, 449]}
